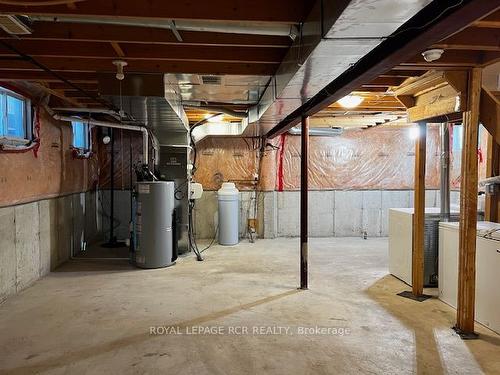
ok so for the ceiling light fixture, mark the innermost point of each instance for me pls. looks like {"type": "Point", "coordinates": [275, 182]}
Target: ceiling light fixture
{"type": "Point", "coordinates": [119, 69]}
{"type": "Point", "coordinates": [351, 101]}
{"type": "Point", "coordinates": [432, 54]}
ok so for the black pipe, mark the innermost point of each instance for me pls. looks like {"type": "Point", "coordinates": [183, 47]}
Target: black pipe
{"type": "Point", "coordinates": [112, 242]}
{"type": "Point", "coordinates": [304, 137]}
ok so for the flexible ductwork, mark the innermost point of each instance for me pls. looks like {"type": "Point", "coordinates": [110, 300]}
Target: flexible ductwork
{"type": "Point", "coordinates": [253, 28]}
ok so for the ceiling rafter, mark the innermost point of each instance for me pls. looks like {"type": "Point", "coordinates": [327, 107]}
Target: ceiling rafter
{"type": "Point", "coordinates": [278, 11]}
{"type": "Point", "coordinates": [61, 31]}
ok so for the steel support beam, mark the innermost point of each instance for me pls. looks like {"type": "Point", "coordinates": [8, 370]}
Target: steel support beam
{"type": "Point", "coordinates": [420, 32]}
{"type": "Point", "coordinates": [304, 186]}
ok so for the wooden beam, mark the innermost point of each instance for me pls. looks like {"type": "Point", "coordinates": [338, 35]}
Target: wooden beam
{"type": "Point", "coordinates": [492, 200]}
{"type": "Point", "coordinates": [468, 209]}
{"type": "Point", "coordinates": [40, 76]}
{"type": "Point", "coordinates": [489, 114]}
{"type": "Point", "coordinates": [385, 81]}
{"type": "Point", "coordinates": [142, 66]}
{"type": "Point", "coordinates": [441, 107]}
{"type": "Point", "coordinates": [402, 73]}
{"type": "Point", "coordinates": [280, 11]}
{"type": "Point", "coordinates": [60, 31]}
{"type": "Point", "coordinates": [451, 58]}
{"type": "Point", "coordinates": [118, 49]}
{"type": "Point", "coordinates": [491, 21]}
{"type": "Point", "coordinates": [61, 96]}
{"type": "Point", "coordinates": [63, 86]}
{"type": "Point", "coordinates": [473, 38]}
{"type": "Point", "coordinates": [419, 213]}
{"type": "Point", "coordinates": [134, 51]}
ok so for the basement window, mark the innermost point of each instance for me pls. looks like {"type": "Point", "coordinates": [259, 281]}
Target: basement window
{"type": "Point", "coordinates": [15, 117]}
{"type": "Point", "coordinates": [80, 135]}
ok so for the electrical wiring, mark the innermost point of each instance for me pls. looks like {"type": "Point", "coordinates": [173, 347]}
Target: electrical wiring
{"type": "Point", "coordinates": [179, 190]}
{"type": "Point", "coordinates": [191, 238]}
{"type": "Point", "coordinates": [211, 242]}
{"type": "Point", "coordinates": [460, 2]}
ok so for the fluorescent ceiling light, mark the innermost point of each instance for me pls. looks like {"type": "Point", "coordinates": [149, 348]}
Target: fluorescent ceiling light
{"type": "Point", "coordinates": [350, 101]}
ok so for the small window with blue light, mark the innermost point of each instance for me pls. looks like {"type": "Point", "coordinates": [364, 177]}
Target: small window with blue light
{"type": "Point", "coordinates": [15, 116]}
{"type": "Point", "coordinates": [80, 135]}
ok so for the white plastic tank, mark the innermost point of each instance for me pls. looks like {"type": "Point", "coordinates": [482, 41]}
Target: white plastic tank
{"type": "Point", "coordinates": [229, 202]}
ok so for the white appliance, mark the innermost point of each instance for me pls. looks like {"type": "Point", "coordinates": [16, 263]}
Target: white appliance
{"type": "Point", "coordinates": [487, 270]}
{"type": "Point", "coordinates": [401, 238]}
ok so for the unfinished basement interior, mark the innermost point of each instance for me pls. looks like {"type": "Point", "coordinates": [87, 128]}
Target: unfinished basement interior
{"type": "Point", "coordinates": [250, 187]}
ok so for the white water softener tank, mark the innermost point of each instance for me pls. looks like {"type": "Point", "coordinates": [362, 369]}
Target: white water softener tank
{"type": "Point", "coordinates": [153, 224]}
{"type": "Point", "coordinates": [229, 202]}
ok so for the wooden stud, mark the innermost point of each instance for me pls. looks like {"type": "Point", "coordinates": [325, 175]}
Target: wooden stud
{"type": "Point", "coordinates": [489, 113]}
{"type": "Point", "coordinates": [468, 209]}
{"type": "Point", "coordinates": [419, 213]}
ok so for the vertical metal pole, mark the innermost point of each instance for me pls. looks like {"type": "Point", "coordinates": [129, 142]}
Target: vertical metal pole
{"type": "Point", "coordinates": [445, 172]}
{"type": "Point", "coordinates": [304, 138]}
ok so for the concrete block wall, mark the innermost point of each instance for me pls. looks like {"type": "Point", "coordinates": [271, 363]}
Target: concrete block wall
{"type": "Point", "coordinates": [331, 213]}
{"type": "Point", "coordinates": [205, 214]}
{"type": "Point", "coordinates": [37, 237]}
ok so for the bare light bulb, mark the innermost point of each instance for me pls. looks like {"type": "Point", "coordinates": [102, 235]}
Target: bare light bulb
{"type": "Point", "coordinates": [350, 101]}
{"type": "Point", "coordinates": [120, 75]}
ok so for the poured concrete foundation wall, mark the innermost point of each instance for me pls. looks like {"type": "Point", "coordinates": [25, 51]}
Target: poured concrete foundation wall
{"type": "Point", "coordinates": [37, 237]}
{"type": "Point", "coordinates": [334, 213]}
{"type": "Point", "coordinates": [121, 213]}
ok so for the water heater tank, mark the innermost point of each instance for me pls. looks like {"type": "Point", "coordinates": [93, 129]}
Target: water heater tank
{"type": "Point", "coordinates": [228, 214]}
{"type": "Point", "coordinates": [153, 224]}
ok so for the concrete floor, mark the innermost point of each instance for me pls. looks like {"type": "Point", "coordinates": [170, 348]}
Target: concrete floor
{"type": "Point", "coordinates": [95, 317]}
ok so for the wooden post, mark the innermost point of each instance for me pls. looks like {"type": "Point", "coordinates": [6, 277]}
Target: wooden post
{"type": "Point", "coordinates": [492, 201]}
{"type": "Point", "coordinates": [468, 210]}
{"type": "Point", "coordinates": [417, 275]}
{"type": "Point", "coordinates": [304, 186]}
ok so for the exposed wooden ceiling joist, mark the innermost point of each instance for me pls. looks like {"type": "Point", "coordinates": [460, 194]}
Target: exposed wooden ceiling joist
{"type": "Point", "coordinates": [491, 21]}
{"type": "Point", "coordinates": [139, 66]}
{"type": "Point", "coordinates": [281, 11]}
{"type": "Point", "coordinates": [473, 39]}
{"type": "Point", "coordinates": [454, 59]}
{"type": "Point", "coordinates": [40, 76]}
{"type": "Point", "coordinates": [95, 50]}
{"type": "Point", "coordinates": [128, 34]}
